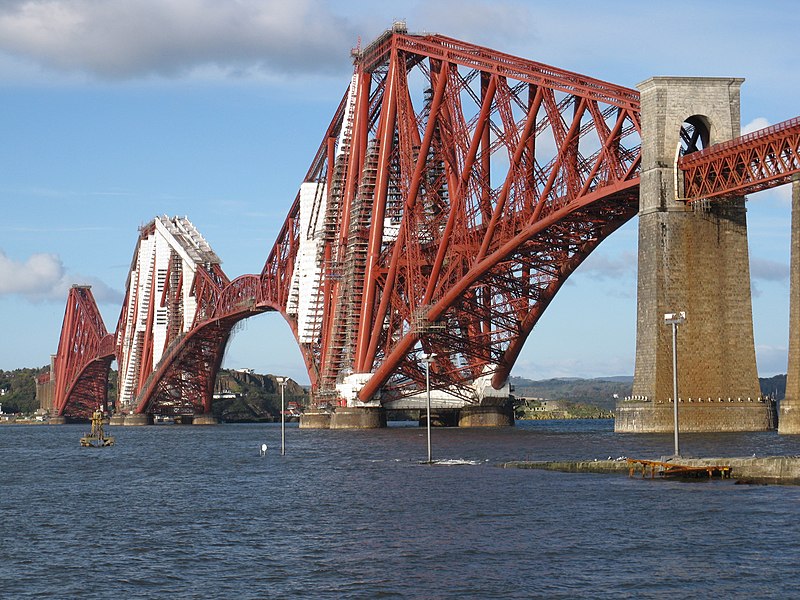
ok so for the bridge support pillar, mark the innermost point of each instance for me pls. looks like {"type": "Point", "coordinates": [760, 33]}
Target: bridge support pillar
{"type": "Point", "coordinates": [693, 259]}
{"type": "Point", "coordinates": [117, 419]}
{"type": "Point", "coordinates": [352, 417]}
{"type": "Point", "coordinates": [789, 418]}
{"type": "Point", "coordinates": [57, 420]}
{"type": "Point", "coordinates": [137, 419]}
{"type": "Point", "coordinates": [314, 419]}
{"type": "Point", "coordinates": [480, 415]}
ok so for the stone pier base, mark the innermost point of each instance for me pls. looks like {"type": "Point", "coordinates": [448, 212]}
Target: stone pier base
{"type": "Point", "coordinates": [136, 420]}
{"type": "Point", "coordinates": [205, 420]}
{"type": "Point", "coordinates": [57, 420]}
{"type": "Point", "coordinates": [696, 417]}
{"type": "Point", "coordinates": [312, 419]}
{"type": "Point", "coordinates": [440, 417]}
{"type": "Point", "coordinates": [358, 418]}
{"type": "Point", "coordinates": [789, 418]}
{"type": "Point", "coordinates": [486, 416]}
{"type": "Point", "coordinates": [116, 420]}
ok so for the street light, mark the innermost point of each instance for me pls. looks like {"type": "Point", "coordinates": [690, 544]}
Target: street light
{"type": "Point", "coordinates": [675, 319]}
{"type": "Point", "coordinates": [282, 382]}
{"type": "Point", "coordinates": [428, 359]}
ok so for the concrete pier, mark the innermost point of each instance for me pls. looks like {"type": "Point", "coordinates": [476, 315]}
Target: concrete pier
{"type": "Point", "coordinates": [789, 419]}
{"type": "Point", "coordinates": [766, 469]}
{"type": "Point", "coordinates": [315, 419]}
{"type": "Point", "coordinates": [57, 420]}
{"type": "Point", "coordinates": [692, 259]}
{"type": "Point", "coordinates": [345, 417]}
{"type": "Point", "coordinates": [116, 420]}
{"type": "Point", "coordinates": [486, 416]}
{"type": "Point", "coordinates": [136, 420]}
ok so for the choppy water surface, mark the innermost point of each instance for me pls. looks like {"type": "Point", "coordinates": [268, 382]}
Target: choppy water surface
{"type": "Point", "coordinates": [195, 512]}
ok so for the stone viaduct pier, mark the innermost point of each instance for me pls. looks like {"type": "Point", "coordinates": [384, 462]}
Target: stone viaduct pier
{"type": "Point", "coordinates": [693, 257]}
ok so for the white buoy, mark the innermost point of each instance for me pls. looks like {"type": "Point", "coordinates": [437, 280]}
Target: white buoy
{"type": "Point", "coordinates": [263, 450]}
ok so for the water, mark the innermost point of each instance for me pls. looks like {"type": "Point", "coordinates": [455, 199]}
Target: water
{"type": "Point", "coordinates": [195, 512]}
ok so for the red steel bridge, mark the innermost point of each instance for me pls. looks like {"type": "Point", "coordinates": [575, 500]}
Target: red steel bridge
{"type": "Point", "coordinates": [453, 193]}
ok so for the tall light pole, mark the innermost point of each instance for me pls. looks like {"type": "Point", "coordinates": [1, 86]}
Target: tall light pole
{"type": "Point", "coordinates": [675, 319]}
{"type": "Point", "coordinates": [282, 382]}
{"type": "Point", "coordinates": [428, 359]}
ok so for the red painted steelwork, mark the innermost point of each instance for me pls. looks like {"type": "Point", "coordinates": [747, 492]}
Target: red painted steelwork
{"type": "Point", "coordinates": [497, 176]}
{"type": "Point", "coordinates": [757, 161]}
{"type": "Point", "coordinates": [85, 352]}
{"type": "Point", "coordinates": [462, 186]}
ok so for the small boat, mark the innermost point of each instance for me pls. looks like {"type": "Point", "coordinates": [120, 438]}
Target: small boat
{"type": "Point", "coordinates": [97, 437]}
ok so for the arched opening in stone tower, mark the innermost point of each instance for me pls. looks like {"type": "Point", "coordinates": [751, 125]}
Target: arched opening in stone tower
{"type": "Point", "coordinates": [694, 134]}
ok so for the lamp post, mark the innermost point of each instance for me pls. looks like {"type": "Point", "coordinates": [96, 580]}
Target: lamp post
{"type": "Point", "coordinates": [675, 319]}
{"type": "Point", "coordinates": [282, 382]}
{"type": "Point", "coordinates": [428, 359]}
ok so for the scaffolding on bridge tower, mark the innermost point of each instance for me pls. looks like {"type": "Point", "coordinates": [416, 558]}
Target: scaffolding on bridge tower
{"type": "Point", "coordinates": [174, 273]}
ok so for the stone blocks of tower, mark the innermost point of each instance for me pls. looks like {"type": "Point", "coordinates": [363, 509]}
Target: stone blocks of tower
{"type": "Point", "coordinates": [692, 258]}
{"type": "Point", "coordinates": [789, 420]}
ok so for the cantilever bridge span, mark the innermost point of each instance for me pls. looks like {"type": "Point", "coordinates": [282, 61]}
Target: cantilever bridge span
{"type": "Point", "coordinates": [454, 192]}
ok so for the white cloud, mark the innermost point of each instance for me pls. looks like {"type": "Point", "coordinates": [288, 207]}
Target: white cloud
{"type": "Point", "coordinates": [602, 266]}
{"type": "Point", "coordinates": [476, 21]}
{"type": "Point", "coordinates": [755, 125]}
{"type": "Point", "coordinates": [118, 39]}
{"type": "Point", "coordinates": [43, 278]}
{"type": "Point", "coordinates": [768, 270]}
{"type": "Point", "coordinates": [771, 360]}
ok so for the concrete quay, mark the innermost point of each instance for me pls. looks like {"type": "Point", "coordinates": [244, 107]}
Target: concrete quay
{"type": "Point", "coordinates": [763, 469]}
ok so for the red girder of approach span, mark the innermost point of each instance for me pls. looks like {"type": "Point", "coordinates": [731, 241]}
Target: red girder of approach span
{"type": "Point", "coordinates": [757, 161]}
{"type": "Point", "coordinates": [454, 192]}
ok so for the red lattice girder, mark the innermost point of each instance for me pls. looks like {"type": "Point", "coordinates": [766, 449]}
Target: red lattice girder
{"type": "Point", "coordinates": [757, 161]}
{"type": "Point", "coordinates": [85, 352]}
{"type": "Point", "coordinates": [461, 165]}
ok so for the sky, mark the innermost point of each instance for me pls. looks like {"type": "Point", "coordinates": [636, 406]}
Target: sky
{"type": "Point", "coordinates": [114, 112]}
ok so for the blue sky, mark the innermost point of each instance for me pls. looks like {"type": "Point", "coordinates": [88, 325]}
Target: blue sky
{"type": "Point", "coordinates": [113, 112]}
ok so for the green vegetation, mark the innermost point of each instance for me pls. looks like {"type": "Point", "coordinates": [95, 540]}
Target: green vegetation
{"type": "Point", "coordinates": [598, 393]}
{"type": "Point", "coordinates": [594, 396]}
{"type": "Point", "coordinates": [18, 390]}
{"type": "Point", "coordinates": [535, 410]}
{"type": "Point", "coordinates": [256, 398]}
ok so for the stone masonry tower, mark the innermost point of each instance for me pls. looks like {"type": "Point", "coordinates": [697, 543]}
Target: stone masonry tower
{"type": "Point", "coordinates": [693, 259]}
{"type": "Point", "coordinates": [789, 421]}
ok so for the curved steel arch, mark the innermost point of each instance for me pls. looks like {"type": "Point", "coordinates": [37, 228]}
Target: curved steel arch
{"type": "Point", "coordinates": [84, 356]}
